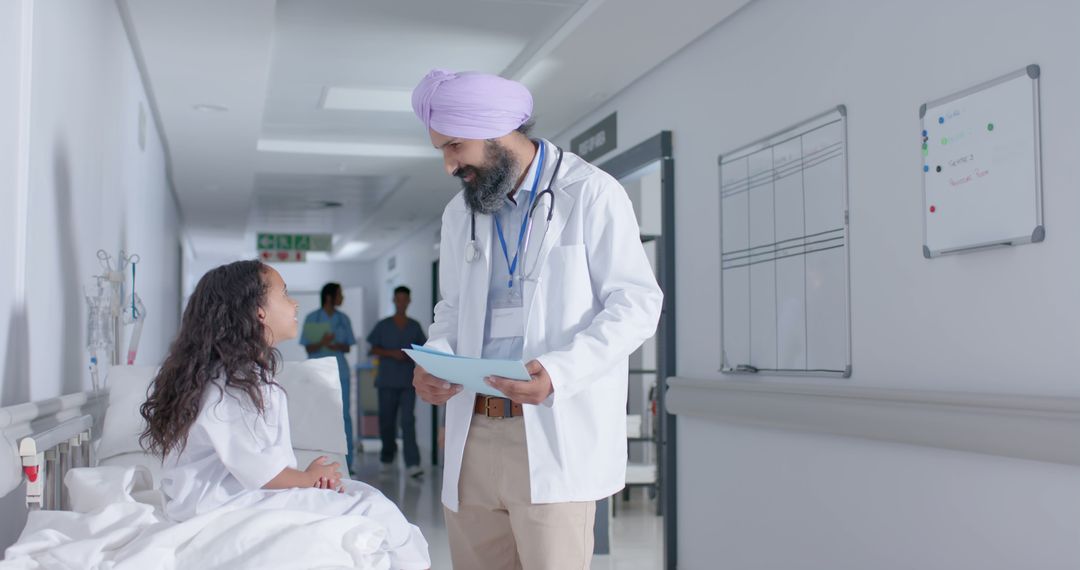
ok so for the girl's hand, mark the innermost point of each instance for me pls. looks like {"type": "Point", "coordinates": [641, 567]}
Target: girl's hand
{"type": "Point", "coordinates": [327, 473]}
{"type": "Point", "coordinates": [324, 483]}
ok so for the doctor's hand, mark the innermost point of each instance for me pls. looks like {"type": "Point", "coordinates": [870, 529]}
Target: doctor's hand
{"type": "Point", "coordinates": [432, 389]}
{"type": "Point", "coordinates": [534, 391]}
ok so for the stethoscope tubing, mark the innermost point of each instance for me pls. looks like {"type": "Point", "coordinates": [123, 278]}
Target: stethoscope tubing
{"type": "Point", "coordinates": [472, 253]}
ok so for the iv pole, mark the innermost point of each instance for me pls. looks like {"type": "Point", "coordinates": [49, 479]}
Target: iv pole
{"type": "Point", "coordinates": [109, 311]}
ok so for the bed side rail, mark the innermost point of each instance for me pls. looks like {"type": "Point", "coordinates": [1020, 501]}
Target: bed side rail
{"type": "Point", "coordinates": [32, 419]}
{"type": "Point", "coordinates": [46, 458]}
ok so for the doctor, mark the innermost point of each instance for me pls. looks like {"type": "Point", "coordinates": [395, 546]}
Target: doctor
{"type": "Point", "coordinates": [540, 260]}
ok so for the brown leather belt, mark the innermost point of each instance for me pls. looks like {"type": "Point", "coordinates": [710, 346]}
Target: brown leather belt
{"type": "Point", "coordinates": [496, 407]}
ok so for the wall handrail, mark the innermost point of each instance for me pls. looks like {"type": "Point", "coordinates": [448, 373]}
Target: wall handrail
{"type": "Point", "coordinates": [1034, 427]}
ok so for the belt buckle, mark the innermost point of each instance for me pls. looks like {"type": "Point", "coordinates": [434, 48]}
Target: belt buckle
{"type": "Point", "coordinates": [489, 403]}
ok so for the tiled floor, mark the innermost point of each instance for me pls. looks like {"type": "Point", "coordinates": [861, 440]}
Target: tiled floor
{"type": "Point", "coordinates": [637, 542]}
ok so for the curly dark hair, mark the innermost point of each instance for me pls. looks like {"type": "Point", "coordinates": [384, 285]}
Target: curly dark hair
{"type": "Point", "coordinates": [220, 336]}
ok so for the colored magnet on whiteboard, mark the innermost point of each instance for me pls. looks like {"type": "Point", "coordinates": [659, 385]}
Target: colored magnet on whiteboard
{"type": "Point", "coordinates": [941, 120]}
{"type": "Point", "coordinates": [924, 132]}
{"type": "Point", "coordinates": [944, 141]}
{"type": "Point", "coordinates": [990, 126]}
{"type": "Point", "coordinates": [926, 168]}
{"type": "Point", "coordinates": [939, 168]}
{"type": "Point", "coordinates": [933, 209]}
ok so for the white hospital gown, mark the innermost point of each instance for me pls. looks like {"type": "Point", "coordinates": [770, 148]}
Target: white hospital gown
{"type": "Point", "coordinates": [232, 451]}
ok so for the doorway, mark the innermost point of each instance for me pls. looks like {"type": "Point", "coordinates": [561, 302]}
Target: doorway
{"type": "Point", "coordinates": [647, 171]}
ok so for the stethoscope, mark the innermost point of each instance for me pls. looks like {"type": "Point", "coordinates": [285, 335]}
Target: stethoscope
{"type": "Point", "coordinates": [472, 251]}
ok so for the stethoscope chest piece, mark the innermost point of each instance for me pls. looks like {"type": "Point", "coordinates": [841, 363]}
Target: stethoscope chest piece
{"type": "Point", "coordinates": [472, 252]}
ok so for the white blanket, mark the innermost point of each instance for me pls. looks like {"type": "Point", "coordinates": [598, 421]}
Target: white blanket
{"type": "Point", "coordinates": [121, 533]}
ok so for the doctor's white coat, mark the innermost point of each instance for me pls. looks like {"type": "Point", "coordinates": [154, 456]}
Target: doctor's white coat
{"type": "Point", "coordinates": [589, 303]}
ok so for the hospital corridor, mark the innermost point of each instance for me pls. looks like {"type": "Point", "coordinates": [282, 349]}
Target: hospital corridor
{"type": "Point", "coordinates": [539, 284]}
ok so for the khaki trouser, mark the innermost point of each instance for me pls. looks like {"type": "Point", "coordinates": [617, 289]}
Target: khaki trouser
{"type": "Point", "coordinates": [497, 527]}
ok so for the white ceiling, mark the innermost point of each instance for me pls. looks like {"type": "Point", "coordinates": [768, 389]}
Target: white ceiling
{"type": "Point", "coordinates": [274, 157]}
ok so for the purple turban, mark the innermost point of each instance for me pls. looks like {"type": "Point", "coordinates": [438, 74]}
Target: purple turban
{"type": "Point", "coordinates": [471, 105]}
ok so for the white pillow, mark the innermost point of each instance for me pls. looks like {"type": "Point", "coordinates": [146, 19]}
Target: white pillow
{"type": "Point", "coordinates": [138, 459]}
{"type": "Point", "coordinates": [123, 424]}
{"type": "Point", "coordinates": [314, 394]}
{"type": "Point", "coordinates": [92, 488]}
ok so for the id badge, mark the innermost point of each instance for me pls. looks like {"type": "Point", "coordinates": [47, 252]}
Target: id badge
{"type": "Point", "coordinates": [507, 323]}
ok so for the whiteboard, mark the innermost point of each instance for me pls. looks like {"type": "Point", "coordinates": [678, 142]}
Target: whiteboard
{"type": "Point", "coordinates": [784, 287]}
{"type": "Point", "coordinates": [982, 175]}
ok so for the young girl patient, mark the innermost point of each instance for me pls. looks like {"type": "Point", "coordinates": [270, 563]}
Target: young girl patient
{"type": "Point", "coordinates": [221, 423]}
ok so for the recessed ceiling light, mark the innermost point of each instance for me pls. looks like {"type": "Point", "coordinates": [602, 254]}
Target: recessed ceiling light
{"type": "Point", "coordinates": [357, 99]}
{"type": "Point", "coordinates": [352, 249]}
{"type": "Point", "coordinates": [335, 148]}
{"type": "Point", "coordinates": [209, 108]}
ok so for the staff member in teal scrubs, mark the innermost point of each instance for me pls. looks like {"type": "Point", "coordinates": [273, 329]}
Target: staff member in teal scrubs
{"type": "Point", "coordinates": [336, 341]}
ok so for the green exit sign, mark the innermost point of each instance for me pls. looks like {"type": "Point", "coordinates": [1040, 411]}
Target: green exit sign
{"type": "Point", "coordinates": [293, 242]}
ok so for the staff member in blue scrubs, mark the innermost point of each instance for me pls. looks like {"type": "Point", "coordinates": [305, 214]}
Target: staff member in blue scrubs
{"type": "Point", "coordinates": [394, 381]}
{"type": "Point", "coordinates": [336, 342]}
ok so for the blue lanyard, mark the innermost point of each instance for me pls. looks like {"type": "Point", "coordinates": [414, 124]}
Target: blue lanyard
{"type": "Point", "coordinates": [511, 265]}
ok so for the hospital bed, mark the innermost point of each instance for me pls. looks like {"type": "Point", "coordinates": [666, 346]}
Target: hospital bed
{"type": "Point", "coordinates": [90, 441]}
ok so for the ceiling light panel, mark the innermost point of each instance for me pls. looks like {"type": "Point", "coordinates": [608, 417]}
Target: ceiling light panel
{"type": "Point", "coordinates": [347, 148]}
{"type": "Point", "coordinates": [362, 99]}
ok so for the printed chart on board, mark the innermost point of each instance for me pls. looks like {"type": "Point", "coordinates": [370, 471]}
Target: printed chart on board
{"type": "Point", "coordinates": [784, 252]}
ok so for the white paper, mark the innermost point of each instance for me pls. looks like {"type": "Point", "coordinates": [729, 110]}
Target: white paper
{"type": "Point", "coordinates": [469, 372]}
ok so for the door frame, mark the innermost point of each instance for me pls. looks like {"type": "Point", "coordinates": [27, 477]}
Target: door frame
{"type": "Point", "coordinates": [659, 148]}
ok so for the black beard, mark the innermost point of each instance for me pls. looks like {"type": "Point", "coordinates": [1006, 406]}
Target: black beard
{"type": "Point", "coordinates": [491, 183]}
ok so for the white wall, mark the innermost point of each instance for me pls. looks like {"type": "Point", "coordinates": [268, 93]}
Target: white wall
{"type": "Point", "coordinates": [1004, 321]}
{"type": "Point", "coordinates": [90, 186]}
{"type": "Point", "coordinates": [14, 63]}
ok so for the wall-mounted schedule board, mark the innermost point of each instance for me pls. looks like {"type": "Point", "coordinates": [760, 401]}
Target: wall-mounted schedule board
{"type": "Point", "coordinates": [982, 176]}
{"type": "Point", "coordinates": [784, 252]}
